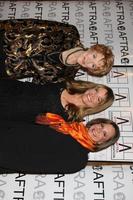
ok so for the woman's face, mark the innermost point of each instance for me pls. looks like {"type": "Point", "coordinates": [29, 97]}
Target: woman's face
{"type": "Point", "coordinates": [102, 132]}
{"type": "Point", "coordinates": [91, 60]}
{"type": "Point", "coordinates": [93, 97]}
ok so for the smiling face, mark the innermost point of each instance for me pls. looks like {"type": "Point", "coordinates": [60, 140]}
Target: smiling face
{"type": "Point", "coordinates": [91, 60]}
{"type": "Point", "coordinates": [94, 97]}
{"type": "Point", "coordinates": [101, 132]}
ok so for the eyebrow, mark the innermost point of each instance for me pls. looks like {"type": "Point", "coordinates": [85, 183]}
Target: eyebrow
{"type": "Point", "coordinates": [102, 124]}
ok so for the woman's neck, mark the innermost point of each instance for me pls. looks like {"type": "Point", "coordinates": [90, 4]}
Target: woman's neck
{"type": "Point", "coordinates": [69, 57]}
{"type": "Point", "coordinates": [67, 98]}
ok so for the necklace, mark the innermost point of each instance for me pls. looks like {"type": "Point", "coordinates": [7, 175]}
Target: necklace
{"type": "Point", "coordinates": [72, 51]}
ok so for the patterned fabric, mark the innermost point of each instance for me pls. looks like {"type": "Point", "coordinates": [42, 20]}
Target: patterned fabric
{"type": "Point", "coordinates": [28, 44]}
{"type": "Point", "coordinates": [77, 130]}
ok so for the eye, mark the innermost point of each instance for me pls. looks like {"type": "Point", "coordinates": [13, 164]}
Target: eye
{"type": "Point", "coordinates": [99, 100]}
{"type": "Point", "coordinates": [96, 90]}
{"type": "Point", "coordinates": [104, 133]}
{"type": "Point", "coordinates": [93, 66]}
{"type": "Point", "coordinates": [94, 56]}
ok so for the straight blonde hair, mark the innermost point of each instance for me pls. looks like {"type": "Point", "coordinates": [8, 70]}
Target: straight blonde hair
{"type": "Point", "coordinates": [79, 87]}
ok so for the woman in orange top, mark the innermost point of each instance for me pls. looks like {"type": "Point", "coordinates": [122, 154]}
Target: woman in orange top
{"type": "Point", "coordinates": [52, 145]}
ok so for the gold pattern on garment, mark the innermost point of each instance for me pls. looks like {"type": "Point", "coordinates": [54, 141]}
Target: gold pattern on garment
{"type": "Point", "coordinates": [28, 51]}
{"type": "Point", "coordinates": [27, 44]}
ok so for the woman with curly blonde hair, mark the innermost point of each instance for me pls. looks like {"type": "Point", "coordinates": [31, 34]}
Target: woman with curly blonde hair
{"type": "Point", "coordinates": [48, 51]}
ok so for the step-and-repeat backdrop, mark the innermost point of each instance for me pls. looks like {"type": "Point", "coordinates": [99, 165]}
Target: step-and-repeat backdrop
{"type": "Point", "coordinates": [92, 183]}
{"type": "Point", "coordinates": [98, 21]}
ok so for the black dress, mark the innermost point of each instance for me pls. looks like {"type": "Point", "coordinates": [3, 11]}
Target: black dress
{"type": "Point", "coordinates": [31, 148]}
{"type": "Point", "coordinates": [23, 101]}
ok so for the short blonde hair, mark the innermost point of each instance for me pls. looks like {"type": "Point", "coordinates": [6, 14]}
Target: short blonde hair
{"type": "Point", "coordinates": [108, 60]}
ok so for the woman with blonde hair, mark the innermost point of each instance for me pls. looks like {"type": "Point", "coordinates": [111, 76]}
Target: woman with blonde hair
{"type": "Point", "coordinates": [72, 100]}
{"type": "Point", "coordinates": [48, 51]}
{"type": "Point", "coordinates": [91, 89]}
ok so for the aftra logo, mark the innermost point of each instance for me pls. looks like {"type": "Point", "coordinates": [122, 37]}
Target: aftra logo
{"type": "Point", "coordinates": [125, 147]}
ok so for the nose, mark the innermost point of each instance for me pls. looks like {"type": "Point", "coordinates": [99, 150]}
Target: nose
{"type": "Point", "coordinates": [94, 97]}
{"type": "Point", "coordinates": [90, 65]}
{"type": "Point", "coordinates": [99, 132]}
